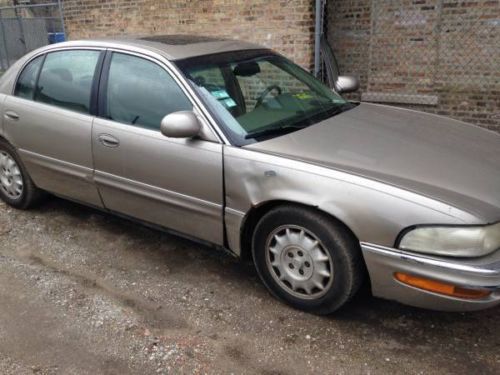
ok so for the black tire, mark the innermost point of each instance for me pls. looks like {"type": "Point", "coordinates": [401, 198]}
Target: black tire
{"type": "Point", "coordinates": [342, 246]}
{"type": "Point", "coordinates": [31, 195]}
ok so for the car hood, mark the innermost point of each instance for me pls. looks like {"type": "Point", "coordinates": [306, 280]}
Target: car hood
{"type": "Point", "coordinates": [441, 158]}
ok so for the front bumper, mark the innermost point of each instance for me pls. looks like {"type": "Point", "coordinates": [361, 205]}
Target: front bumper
{"type": "Point", "coordinates": [478, 273]}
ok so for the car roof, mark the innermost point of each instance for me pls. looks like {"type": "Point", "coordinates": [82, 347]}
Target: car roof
{"type": "Point", "coordinates": [173, 47]}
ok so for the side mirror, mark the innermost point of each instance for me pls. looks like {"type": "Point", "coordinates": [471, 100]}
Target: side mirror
{"type": "Point", "coordinates": [182, 124]}
{"type": "Point", "coordinates": [345, 84]}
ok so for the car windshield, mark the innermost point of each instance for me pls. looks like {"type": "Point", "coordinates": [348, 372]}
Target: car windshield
{"type": "Point", "coordinates": [258, 95]}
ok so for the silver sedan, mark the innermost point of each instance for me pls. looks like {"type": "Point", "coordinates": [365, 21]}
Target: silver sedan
{"type": "Point", "coordinates": [234, 145]}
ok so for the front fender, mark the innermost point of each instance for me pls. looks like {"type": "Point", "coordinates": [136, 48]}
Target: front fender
{"type": "Point", "coordinates": [2, 109]}
{"type": "Point", "coordinates": [374, 211]}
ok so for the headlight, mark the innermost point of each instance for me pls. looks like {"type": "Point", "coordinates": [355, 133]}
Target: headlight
{"type": "Point", "coordinates": [459, 241]}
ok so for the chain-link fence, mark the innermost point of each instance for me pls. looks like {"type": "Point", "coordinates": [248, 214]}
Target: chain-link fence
{"type": "Point", "coordinates": [441, 56]}
{"type": "Point", "coordinates": [26, 25]}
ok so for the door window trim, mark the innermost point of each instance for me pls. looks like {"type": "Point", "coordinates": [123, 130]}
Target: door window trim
{"type": "Point", "coordinates": [178, 78]}
{"type": "Point", "coordinates": [155, 57]}
{"type": "Point", "coordinates": [102, 102]}
{"type": "Point", "coordinates": [95, 78]}
{"type": "Point", "coordinates": [37, 77]}
{"type": "Point", "coordinates": [45, 52]}
{"type": "Point", "coordinates": [21, 71]}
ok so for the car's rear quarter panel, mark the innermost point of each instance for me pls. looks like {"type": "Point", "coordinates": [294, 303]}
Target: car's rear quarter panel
{"type": "Point", "coordinates": [6, 87]}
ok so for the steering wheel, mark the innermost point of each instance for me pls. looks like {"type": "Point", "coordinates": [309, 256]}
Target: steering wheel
{"type": "Point", "coordinates": [262, 96]}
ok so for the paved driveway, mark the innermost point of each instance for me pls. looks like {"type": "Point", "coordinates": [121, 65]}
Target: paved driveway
{"type": "Point", "coordinates": [83, 292]}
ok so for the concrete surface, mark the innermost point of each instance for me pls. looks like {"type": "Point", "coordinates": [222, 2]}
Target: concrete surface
{"type": "Point", "coordinates": [83, 292]}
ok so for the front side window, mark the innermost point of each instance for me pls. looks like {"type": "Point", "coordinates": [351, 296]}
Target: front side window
{"type": "Point", "coordinates": [25, 86]}
{"type": "Point", "coordinates": [140, 92]}
{"type": "Point", "coordinates": [260, 95]}
{"type": "Point", "coordinates": [66, 79]}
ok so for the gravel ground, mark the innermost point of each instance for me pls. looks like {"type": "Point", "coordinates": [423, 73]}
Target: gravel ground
{"type": "Point", "coordinates": [84, 292]}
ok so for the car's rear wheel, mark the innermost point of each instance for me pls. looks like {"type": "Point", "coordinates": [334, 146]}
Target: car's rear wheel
{"type": "Point", "coordinates": [307, 259]}
{"type": "Point", "coordinates": [16, 187]}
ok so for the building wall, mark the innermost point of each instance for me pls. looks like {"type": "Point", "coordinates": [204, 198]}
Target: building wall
{"type": "Point", "coordinates": [443, 53]}
{"type": "Point", "coordinates": [285, 25]}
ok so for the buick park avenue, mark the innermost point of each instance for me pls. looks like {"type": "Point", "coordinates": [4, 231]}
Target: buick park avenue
{"type": "Point", "coordinates": [233, 144]}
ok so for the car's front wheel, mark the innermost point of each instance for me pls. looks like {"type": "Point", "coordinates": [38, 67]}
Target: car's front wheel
{"type": "Point", "coordinates": [16, 187]}
{"type": "Point", "coordinates": [307, 259]}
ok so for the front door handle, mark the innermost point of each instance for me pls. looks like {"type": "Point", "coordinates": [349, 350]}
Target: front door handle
{"type": "Point", "coordinates": [11, 115]}
{"type": "Point", "coordinates": [108, 140]}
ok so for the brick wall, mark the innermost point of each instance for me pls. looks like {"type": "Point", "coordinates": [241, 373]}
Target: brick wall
{"type": "Point", "coordinates": [444, 53]}
{"type": "Point", "coordinates": [284, 25]}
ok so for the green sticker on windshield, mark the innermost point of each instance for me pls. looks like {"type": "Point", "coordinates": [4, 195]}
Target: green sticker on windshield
{"type": "Point", "coordinates": [220, 94]}
{"type": "Point", "coordinates": [303, 96]}
{"type": "Point", "coordinates": [229, 103]}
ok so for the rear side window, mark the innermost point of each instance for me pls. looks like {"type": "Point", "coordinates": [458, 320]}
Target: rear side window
{"type": "Point", "coordinates": [25, 86]}
{"type": "Point", "coordinates": [140, 92]}
{"type": "Point", "coordinates": [66, 79]}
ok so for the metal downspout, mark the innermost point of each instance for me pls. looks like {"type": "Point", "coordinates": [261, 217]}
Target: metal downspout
{"type": "Point", "coordinates": [317, 36]}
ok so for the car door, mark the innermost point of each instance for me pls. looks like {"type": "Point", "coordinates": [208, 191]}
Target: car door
{"type": "Point", "coordinates": [172, 182]}
{"type": "Point", "coordinates": [49, 122]}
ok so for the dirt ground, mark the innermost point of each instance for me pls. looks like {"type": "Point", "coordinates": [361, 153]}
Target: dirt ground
{"type": "Point", "coordinates": [83, 292]}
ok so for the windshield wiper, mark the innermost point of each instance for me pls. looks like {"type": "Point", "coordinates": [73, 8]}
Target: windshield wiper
{"type": "Point", "coordinates": [332, 111]}
{"type": "Point", "coordinates": [303, 122]}
{"type": "Point", "coordinates": [274, 130]}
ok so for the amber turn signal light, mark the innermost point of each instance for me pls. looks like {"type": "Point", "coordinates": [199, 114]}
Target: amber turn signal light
{"type": "Point", "coordinates": [440, 287]}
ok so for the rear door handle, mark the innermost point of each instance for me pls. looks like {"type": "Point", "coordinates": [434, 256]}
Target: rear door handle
{"type": "Point", "coordinates": [11, 115]}
{"type": "Point", "coordinates": [108, 140]}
